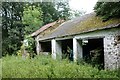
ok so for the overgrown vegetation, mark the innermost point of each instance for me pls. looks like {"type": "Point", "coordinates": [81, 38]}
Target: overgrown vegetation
{"type": "Point", "coordinates": [32, 19]}
{"type": "Point", "coordinates": [45, 67]}
{"type": "Point", "coordinates": [27, 48]}
{"type": "Point", "coordinates": [23, 18]}
{"type": "Point", "coordinates": [0, 68]}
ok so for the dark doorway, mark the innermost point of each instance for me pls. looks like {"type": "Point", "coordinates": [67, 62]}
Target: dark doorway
{"type": "Point", "coordinates": [46, 46]}
{"type": "Point", "coordinates": [67, 49]}
{"type": "Point", "coordinates": [93, 52]}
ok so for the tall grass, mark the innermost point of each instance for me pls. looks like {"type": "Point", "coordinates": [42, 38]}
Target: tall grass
{"type": "Point", "coordinates": [0, 68]}
{"type": "Point", "coordinates": [45, 67]}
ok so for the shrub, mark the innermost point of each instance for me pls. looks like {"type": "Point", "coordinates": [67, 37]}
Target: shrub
{"type": "Point", "coordinates": [26, 49]}
{"type": "Point", "coordinates": [45, 67]}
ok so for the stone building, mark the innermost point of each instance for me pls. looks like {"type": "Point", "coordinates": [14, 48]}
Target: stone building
{"type": "Point", "coordinates": [81, 35]}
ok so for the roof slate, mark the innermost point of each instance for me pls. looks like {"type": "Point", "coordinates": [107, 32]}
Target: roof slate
{"type": "Point", "coordinates": [86, 23]}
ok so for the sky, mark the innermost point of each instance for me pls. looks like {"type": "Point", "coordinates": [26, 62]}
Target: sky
{"type": "Point", "coordinates": [82, 5]}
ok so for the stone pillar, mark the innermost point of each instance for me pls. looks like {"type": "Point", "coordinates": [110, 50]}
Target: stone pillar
{"type": "Point", "coordinates": [77, 50]}
{"type": "Point", "coordinates": [38, 46]}
{"type": "Point", "coordinates": [111, 53]}
{"type": "Point", "coordinates": [56, 49]}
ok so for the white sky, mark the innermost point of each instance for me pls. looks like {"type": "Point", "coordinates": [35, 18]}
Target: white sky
{"type": "Point", "coordinates": [85, 5]}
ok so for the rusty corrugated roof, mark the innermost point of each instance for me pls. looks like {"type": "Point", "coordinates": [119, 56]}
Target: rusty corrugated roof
{"type": "Point", "coordinates": [43, 28]}
{"type": "Point", "coordinates": [86, 23]}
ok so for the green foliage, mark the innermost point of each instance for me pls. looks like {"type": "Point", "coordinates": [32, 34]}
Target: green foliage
{"type": "Point", "coordinates": [53, 11]}
{"type": "Point", "coordinates": [20, 52]}
{"type": "Point", "coordinates": [32, 18]}
{"type": "Point", "coordinates": [45, 67]}
{"type": "Point", "coordinates": [31, 44]}
{"type": "Point", "coordinates": [108, 10]}
{"type": "Point", "coordinates": [0, 68]}
{"type": "Point", "coordinates": [12, 27]}
{"type": "Point", "coordinates": [63, 9]}
{"type": "Point", "coordinates": [50, 14]}
{"type": "Point", "coordinates": [27, 47]}
{"type": "Point", "coordinates": [20, 19]}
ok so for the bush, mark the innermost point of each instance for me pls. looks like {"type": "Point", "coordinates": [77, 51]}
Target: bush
{"type": "Point", "coordinates": [26, 49]}
{"type": "Point", "coordinates": [45, 67]}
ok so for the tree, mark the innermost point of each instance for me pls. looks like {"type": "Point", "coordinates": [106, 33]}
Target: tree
{"type": "Point", "coordinates": [53, 11]}
{"type": "Point", "coordinates": [32, 18]}
{"type": "Point", "coordinates": [63, 9]}
{"type": "Point", "coordinates": [50, 14]}
{"type": "Point", "coordinates": [19, 17]}
{"type": "Point", "coordinates": [12, 27]}
{"type": "Point", "coordinates": [76, 13]}
{"type": "Point", "coordinates": [12, 23]}
{"type": "Point", "coordinates": [107, 10]}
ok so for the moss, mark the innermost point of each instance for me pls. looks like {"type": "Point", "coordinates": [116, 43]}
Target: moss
{"type": "Point", "coordinates": [93, 23]}
{"type": "Point", "coordinates": [49, 30]}
{"type": "Point", "coordinates": [86, 24]}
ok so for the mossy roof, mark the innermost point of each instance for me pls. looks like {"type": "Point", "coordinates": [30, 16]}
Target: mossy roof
{"type": "Point", "coordinates": [43, 28]}
{"type": "Point", "coordinates": [47, 28]}
{"type": "Point", "coordinates": [86, 23]}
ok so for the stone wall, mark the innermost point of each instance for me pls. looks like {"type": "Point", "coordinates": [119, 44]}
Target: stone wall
{"type": "Point", "coordinates": [111, 45]}
{"type": "Point", "coordinates": [118, 46]}
{"type": "Point", "coordinates": [111, 52]}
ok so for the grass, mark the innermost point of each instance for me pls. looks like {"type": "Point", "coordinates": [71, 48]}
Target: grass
{"type": "Point", "coordinates": [0, 68]}
{"type": "Point", "coordinates": [45, 67]}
